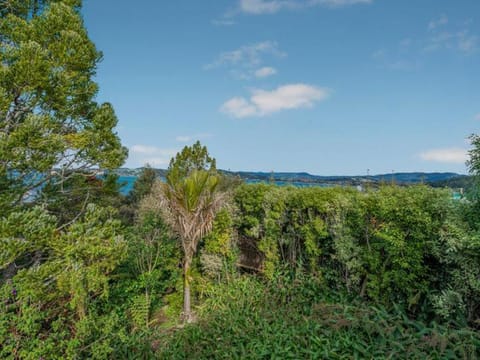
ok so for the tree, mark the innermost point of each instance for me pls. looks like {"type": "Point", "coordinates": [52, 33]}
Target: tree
{"type": "Point", "coordinates": [61, 289]}
{"type": "Point", "coordinates": [141, 188]}
{"type": "Point", "coordinates": [52, 132]}
{"type": "Point", "coordinates": [50, 123]}
{"type": "Point", "coordinates": [191, 158]}
{"type": "Point", "coordinates": [473, 162]}
{"type": "Point", "coordinates": [143, 185]}
{"type": "Point", "coordinates": [473, 165]}
{"type": "Point", "coordinates": [189, 202]}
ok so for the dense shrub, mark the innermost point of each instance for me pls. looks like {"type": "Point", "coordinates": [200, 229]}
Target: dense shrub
{"type": "Point", "coordinates": [398, 245]}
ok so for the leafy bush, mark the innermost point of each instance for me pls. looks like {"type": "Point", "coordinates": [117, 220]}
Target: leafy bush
{"type": "Point", "coordinates": [404, 245]}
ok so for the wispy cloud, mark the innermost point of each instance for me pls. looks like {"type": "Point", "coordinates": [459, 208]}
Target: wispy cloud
{"type": "Point", "coordinates": [258, 7]}
{"type": "Point", "coordinates": [189, 138]}
{"type": "Point", "coordinates": [140, 155]}
{"type": "Point", "coordinates": [395, 60]}
{"type": "Point", "coordinates": [247, 56]}
{"type": "Point", "coordinates": [265, 72]}
{"type": "Point", "coordinates": [462, 41]}
{"type": "Point", "coordinates": [443, 37]}
{"type": "Point", "coordinates": [435, 23]}
{"type": "Point", "coordinates": [244, 62]}
{"type": "Point", "coordinates": [447, 155]}
{"type": "Point", "coordinates": [467, 42]}
{"type": "Point", "coordinates": [264, 102]}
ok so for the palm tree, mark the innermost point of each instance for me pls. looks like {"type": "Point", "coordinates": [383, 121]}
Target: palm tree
{"type": "Point", "coordinates": [189, 205]}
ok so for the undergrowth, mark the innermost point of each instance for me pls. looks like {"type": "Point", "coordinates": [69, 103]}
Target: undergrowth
{"type": "Point", "coordinates": [285, 319]}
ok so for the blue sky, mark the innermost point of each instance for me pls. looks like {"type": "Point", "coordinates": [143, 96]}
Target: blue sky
{"type": "Point", "coordinates": [324, 86]}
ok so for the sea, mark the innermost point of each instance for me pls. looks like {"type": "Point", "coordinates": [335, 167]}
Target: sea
{"type": "Point", "coordinates": [127, 182]}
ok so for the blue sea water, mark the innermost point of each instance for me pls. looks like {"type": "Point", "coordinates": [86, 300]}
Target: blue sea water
{"type": "Point", "coordinates": [127, 182]}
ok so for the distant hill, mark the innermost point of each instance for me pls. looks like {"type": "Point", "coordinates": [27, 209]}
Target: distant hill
{"type": "Point", "coordinates": [135, 172]}
{"type": "Point", "coordinates": [401, 178]}
{"type": "Point", "coordinates": [436, 179]}
{"type": "Point", "coordinates": [462, 181]}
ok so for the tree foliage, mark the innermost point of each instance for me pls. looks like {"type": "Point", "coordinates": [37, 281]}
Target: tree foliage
{"type": "Point", "coordinates": [60, 240]}
{"type": "Point", "coordinates": [72, 271]}
{"type": "Point", "coordinates": [49, 118]}
{"type": "Point", "coordinates": [407, 246]}
{"type": "Point", "coordinates": [191, 158]}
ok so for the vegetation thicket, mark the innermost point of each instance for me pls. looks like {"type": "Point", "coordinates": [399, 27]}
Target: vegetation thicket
{"type": "Point", "coordinates": [203, 266]}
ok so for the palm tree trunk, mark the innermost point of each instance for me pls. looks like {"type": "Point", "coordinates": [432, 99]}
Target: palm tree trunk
{"type": "Point", "coordinates": [187, 312]}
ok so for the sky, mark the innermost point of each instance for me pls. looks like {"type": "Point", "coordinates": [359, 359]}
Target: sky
{"type": "Point", "coordinates": [330, 87]}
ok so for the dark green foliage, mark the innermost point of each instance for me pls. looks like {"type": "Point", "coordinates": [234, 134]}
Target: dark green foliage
{"type": "Point", "coordinates": [191, 158]}
{"type": "Point", "coordinates": [48, 114]}
{"type": "Point", "coordinates": [154, 272]}
{"type": "Point", "coordinates": [61, 242]}
{"type": "Point", "coordinates": [143, 185]}
{"type": "Point", "coordinates": [141, 188]}
{"type": "Point", "coordinates": [474, 155]}
{"type": "Point", "coordinates": [218, 253]}
{"type": "Point", "coordinates": [465, 182]}
{"type": "Point", "coordinates": [67, 199]}
{"type": "Point", "coordinates": [397, 245]}
{"type": "Point", "coordinates": [28, 8]}
{"type": "Point", "coordinates": [247, 319]}
{"type": "Point", "coordinates": [56, 293]}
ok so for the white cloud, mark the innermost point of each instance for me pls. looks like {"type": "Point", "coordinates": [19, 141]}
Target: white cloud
{"type": "Point", "coordinates": [448, 155]}
{"type": "Point", "coordinates": [436, 23]}
{"type": "Point", "coordinates": [239, 107]}
{"type": "Point", "coordinates": [140, 155]}
{"type": "Point", "coordinates": [257, 7]}
{"type": "Point", "coordinates": [157, 161]}
{"type": "Point", "coordinates": [189, 138]}
{"type": "Point", "coordinates": [265, 72]}
{"type": "Point", "coordinates": [263, 6]}
{"type": "Point", "coordinates": [264, 102]}
{"type": "Point", "coordinates": [143, 149]}
{"type": "Point", "coordinates": [186, 138]}
{"type": "Point", "coordinates": [247, 56]}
